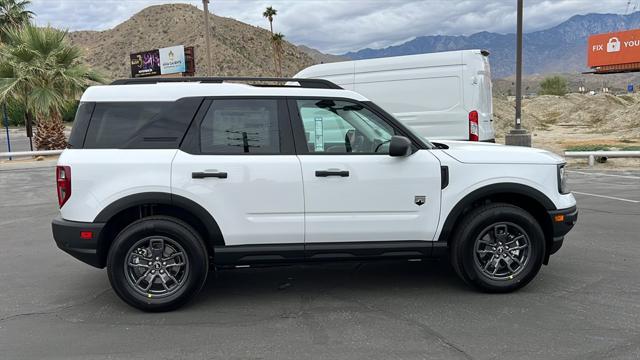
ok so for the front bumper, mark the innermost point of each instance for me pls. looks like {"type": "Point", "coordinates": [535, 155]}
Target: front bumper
{"type": "Point", "coordinates": [563, 221]}
{"type": "Point", "coordinates": [68, 237]}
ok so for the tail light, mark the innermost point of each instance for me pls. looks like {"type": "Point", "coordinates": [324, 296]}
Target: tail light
{"type": "Point", "coordinates": [63, 184]}
{"type": "Point", "coordinates": [474, 129]}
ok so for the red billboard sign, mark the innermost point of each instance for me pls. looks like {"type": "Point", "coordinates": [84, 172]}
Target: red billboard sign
{"type": "Point", "coordinates": [614, 48]}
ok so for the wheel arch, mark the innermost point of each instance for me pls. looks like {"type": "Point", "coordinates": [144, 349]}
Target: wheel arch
{"type": "Point", "coordinates": [523, 196]}
{"type": "Point", "coordinates": [122, 212]}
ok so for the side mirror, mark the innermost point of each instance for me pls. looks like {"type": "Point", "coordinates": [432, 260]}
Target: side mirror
{"type": "Point", "coordinates": [399, 146]}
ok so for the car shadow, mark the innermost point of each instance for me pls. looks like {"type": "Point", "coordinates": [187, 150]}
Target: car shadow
{"type": "Point", "coordinates": [323, 278]}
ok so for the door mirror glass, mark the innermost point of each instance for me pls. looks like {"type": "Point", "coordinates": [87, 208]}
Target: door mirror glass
{"type": "Point", "coordinates": [399, 146]}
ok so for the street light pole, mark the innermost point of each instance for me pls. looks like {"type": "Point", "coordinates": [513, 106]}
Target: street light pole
{"type": "Point", "coordinates": [518, 124]}
{"type": "Point", "coordinates": [205, 4]}
{"type": "Point", "coordinates": [519, 136]}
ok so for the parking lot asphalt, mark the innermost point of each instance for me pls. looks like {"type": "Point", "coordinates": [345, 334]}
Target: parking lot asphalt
{"type": "Point", "coordinates": [584, 305]}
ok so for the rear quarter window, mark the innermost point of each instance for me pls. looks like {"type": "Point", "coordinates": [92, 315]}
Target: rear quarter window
{"type": "Point", "coordinates": [139, 125]}
{"type": "Point", "coordinates": [80, 125]}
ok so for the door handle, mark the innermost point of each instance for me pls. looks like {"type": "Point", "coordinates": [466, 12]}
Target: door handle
{"type": "Point", "coordinates": [325, 173]}
{"type": "Point", "coordinates": [202, 175]}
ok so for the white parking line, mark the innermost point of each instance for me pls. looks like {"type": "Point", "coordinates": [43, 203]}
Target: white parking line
{"type": "Point", "coordinates": [607, 197]}
{"type": "Point", "coordinates": [602, 174]}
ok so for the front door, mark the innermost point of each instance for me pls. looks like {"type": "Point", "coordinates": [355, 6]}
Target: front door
{"type": "Point", "coordinates": [353, 190]}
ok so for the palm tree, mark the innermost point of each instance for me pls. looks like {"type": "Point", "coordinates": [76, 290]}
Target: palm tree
{"type": "Point", "coordinates": [40, 70]}
{"type": "Point", "coordinates": [269, 13]}
{"type": "Point", "coordinates": [13, 14]}
{"type": "Point", "coordinates": [278, 41]}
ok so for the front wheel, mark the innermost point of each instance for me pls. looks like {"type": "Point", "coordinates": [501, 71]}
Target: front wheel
{"type": "Point", "coordinates": [157, 264]}
{"type": "Point", "coordinates": [498, 248]}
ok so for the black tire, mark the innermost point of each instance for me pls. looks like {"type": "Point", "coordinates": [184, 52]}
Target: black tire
{"type": "Point", "coordinates": [172, 234]}
{"type": "Point", "coordinates": [468, 249]}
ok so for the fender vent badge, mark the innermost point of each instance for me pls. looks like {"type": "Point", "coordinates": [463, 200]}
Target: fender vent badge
{"type": "Point", "coordinates": [420, 200]}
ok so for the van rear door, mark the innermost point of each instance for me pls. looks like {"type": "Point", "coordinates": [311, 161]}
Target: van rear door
{"type": "Point", "coordinates": [479, 91]}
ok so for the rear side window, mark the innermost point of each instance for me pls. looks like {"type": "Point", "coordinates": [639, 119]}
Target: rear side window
{"type": "Point", "coordinates": [241, 126]}
{"type": "Point", "coordinates": [114, 124]}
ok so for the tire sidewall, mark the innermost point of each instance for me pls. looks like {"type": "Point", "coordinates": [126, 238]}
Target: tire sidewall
{"type": "Point", "coordinates": [484, 219]}
{"type": "Point", "coordinates": [177, 231]}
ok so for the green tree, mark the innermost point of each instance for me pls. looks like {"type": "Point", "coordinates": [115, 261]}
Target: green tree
{"type": "Point", "coordinates": [269, 13]}
{"type": "Point", "coordinates": [278, 45]}
{"type": "Point", "coordinates": [13, 14]}
{"type": "Point", "coordinates": [553, 85]}
{"type": "Point", "coordinates": [42, 72]}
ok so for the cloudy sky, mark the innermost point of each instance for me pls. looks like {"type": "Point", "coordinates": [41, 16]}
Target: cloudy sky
{"type": "Point", "coordinates": [337, 26]}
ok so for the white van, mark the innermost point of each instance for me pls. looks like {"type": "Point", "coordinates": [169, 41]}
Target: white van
{"type": "Point", "coordinates": [445, 95]}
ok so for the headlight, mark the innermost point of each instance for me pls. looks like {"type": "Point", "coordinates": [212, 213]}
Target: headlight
{"type": "Point", "coordinates": [562, 179]}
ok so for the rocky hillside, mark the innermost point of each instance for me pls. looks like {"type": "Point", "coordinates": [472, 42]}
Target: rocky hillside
{"type": "Point", "coordinates": [237, 48]}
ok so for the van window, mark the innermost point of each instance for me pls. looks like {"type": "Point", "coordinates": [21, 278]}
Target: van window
{"type": "Point", "coordinates": [114, 124]}
{"type": "Point", "coordinates": [241, 126]}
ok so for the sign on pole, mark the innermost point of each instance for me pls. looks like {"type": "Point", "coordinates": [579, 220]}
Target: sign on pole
{"type": "Point", "coordinates": [164, 61]}
{"type": "Point", "coordinates": [614, 52]}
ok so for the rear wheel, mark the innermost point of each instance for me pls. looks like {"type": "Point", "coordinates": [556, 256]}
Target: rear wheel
{"type": "Point", "coordinates": [157, 264]}
{"type": "Point", "coordinates": [498, 248]}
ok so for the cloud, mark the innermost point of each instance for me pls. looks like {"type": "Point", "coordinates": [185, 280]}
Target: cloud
{"type": "Point", "coordinates": [338, 26]}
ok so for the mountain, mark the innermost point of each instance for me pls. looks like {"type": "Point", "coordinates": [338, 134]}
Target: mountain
{"type": "Point", "coordinates": [237, 48]}
{"type": "Point", "coordinates": [319, 57]}
{"type": "Point", "coordinates": [560, 49]}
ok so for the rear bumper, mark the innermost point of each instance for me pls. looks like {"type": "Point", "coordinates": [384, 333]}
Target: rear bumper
{"type": "Point", "coordinates": [67, 236]}
{"type": "Point", "coordinates": [563, 221]}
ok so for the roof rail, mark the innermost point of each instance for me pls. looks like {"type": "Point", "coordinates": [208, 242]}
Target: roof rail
{"type": "Point", "coordinates": [304, 83]}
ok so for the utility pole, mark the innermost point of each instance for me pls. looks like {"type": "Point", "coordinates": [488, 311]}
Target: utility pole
{"type": "Point", "coordinates": [519, 136]}
{"type": "Point", "coordinates": [205, 4]}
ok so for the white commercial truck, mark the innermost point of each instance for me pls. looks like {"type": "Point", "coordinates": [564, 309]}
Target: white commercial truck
{"type": "Point", "coordinates": [445, 95]}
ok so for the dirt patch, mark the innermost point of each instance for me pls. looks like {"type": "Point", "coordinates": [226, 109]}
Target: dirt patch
{"type": "Point", "coordinates": [561, 122]}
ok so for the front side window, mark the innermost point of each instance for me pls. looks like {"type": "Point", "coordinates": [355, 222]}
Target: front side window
{"type": "Point", "coordinates": [241, 126]}
{"type": "Point", "coordinates": [337, 126]}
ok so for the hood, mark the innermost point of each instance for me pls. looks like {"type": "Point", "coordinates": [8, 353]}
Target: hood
{"type": "Point", "coordinates": [488, 153]}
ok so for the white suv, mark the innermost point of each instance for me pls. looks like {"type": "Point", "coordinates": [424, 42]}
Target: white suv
{"type": "Point", "coordinates": [165, 178]}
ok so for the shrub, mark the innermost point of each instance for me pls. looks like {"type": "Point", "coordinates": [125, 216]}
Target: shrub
{"type": "Point", "coordinates": [15, 114]}
{"type": "Point", "coordinates": [553, 85]}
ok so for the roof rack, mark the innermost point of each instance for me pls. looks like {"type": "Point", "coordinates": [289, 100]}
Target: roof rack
{"type": "Point", "coordinates": [304, 83]}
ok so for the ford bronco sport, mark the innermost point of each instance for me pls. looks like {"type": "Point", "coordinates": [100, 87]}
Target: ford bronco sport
{"type": "Point", "coordinates": [165, 178]}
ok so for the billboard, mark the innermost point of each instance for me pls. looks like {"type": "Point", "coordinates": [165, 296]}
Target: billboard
{"type": "Point", "coordinates": [146, 63]}
{"type": "Point", "coordinates": [169, 60]}
{"type": "Point", "coordinates": [614, 48]}
{"type": "Point", "coordinates": [172, 60]}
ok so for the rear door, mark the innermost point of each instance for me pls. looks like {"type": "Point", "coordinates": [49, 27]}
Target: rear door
{"type": "Point", "coordinates": [238, 162]}
{"type": "Point", "coordinates": [354, 191]}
